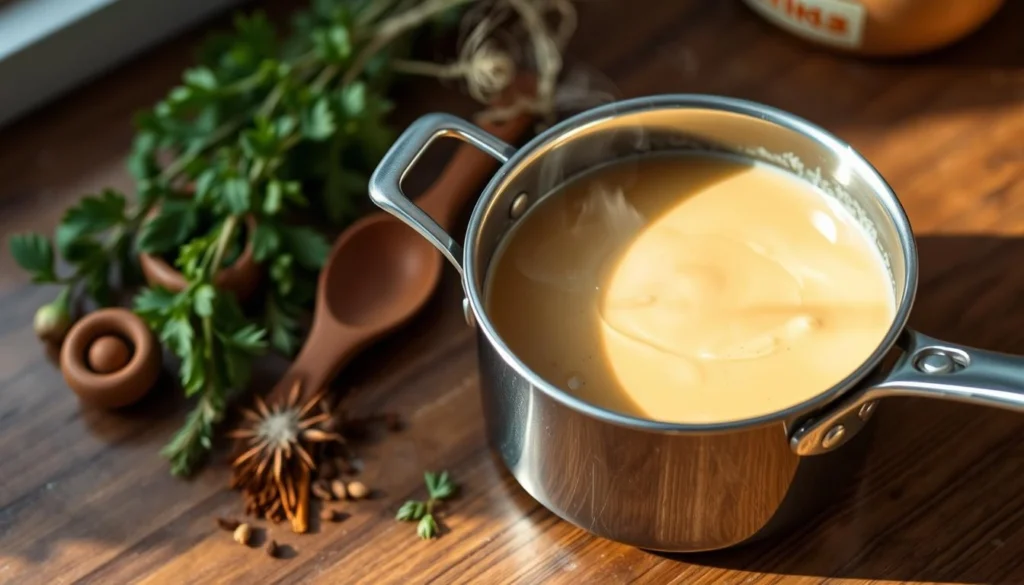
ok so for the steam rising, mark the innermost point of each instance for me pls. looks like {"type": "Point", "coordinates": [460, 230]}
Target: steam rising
{"type": "Point", "coordinates": [604, 222]}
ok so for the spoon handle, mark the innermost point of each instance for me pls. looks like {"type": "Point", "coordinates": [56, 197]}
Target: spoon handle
{"type": "Point", "coordinates": [325, 352]}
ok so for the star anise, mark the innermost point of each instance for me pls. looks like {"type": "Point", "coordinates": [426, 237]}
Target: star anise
{"type": "Point", "coordinates": [274, 470]}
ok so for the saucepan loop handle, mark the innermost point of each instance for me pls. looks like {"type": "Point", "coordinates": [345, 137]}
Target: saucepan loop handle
{"type": "Point", "coordinates": [928, 368]}
{"type": "Point", "coordinates": [386, 181]}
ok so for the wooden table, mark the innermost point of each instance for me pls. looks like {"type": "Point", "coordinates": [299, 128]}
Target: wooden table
{"type": "Point", "coordinates": [85, 496]}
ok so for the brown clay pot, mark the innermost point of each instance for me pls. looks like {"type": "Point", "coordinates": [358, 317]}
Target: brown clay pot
{"type": "Point", "coordinates": [241, 278]}
{"type": "Point", "coordinates": [125, 384]}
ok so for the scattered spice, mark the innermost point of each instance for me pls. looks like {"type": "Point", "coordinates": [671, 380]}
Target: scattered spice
{"type": "Point", "coordinates": [271, 549]}
{"type": "Point", "coordinates": [229, 524]}
{"type": "Point", "coordinates": [242, 534]}
{"type": "Point", "coordinates": [288, 440]}
{"type": "Point", "coordinates": [321, 491]}
{"type": "Point", "coordinates": [357, 490]}
{"type": "Point", "coordinates": [274, 473]}
{"type": "Point", "coordinates": [440, 487]}
{"type": "Point", "coordinates": [338, 489]}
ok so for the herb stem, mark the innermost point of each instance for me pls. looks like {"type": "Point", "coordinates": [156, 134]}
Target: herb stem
{"type": "Point", "coordinates": [207, 411]}
{"type": "Point", "coordinates": [175, 168]}
{"type": "Point", "coordinates": [273, 98]}
{"type": "Point", "coordinates": [226, 232]}
{"type": "Point", "coordinates": [325, 76]}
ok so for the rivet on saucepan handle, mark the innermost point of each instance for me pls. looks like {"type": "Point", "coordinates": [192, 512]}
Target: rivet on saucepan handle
{"type": "Point", "coordinates": [935, 362]}
{"type": "Point", "coordinates": [467, 311]}
{"type": "Point", "coordinates": [519, 205]}
{"type": "Point", "coordinates": [833, 436]}
{"type": "Point", "coordinates": [866, 410]}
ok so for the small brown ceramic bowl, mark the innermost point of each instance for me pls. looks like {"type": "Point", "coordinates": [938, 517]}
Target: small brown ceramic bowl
{"type": "Point", "coordinates": [241, 278]}
{"type": "Point", "coordinates": [122, 386]}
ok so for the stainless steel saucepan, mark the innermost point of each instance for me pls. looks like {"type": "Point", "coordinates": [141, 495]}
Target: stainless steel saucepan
{"type": "Point", "coordinates": [686, 487]}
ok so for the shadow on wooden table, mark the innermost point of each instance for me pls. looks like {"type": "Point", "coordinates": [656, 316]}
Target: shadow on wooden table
{"type": "Point", "coordinates": [941, 498]}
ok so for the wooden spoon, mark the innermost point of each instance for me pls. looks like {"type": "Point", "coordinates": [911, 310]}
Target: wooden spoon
{"type": "Point", "coordinates": [380, 272]}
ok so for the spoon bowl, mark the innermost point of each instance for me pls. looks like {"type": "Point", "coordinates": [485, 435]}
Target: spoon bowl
{"type": "Point", "coordinates": [397, 273]}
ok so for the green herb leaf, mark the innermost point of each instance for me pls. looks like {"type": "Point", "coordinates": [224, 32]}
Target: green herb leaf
{"type": "Point", "coordinates": [282, 323]}
{"type": "Point", "coordinates": [193, 370]}
{"type": "Point", "coordinates": [261, 141]}
{"type": "Point", "coordinates": [319, 123]}
{"type": "Point", "coordinates": [203, 298]}
{"type": "Point", "coordinates": [169, 228]}
{"type": "Point", "coordinates": [307, 246]}
{"type": "Point", "coordinates": [34, 254]}
{"type": "Point", "coordinates": [154, 302]}
{"type": "Point", "coordinates": [93, 214]}
{"type": "Point", "coordinates": [265, 241]}
{"type": "Point", "coordinates": [273, 198]}
{"type": "Point", "coordinates": [142, 160]}
{"type": "Point", "coordinates": [430, 478]}
{"type": "Point", "coordinates": [206, 183]}
{"type": "Point", "coordinates": [251, 339]}
{"type": "Point", "coordinates": [285, 125]}
{"type": "Point", "coordinates": [439, 485]}
{"type": "Point", "coordinates": [237, 195]}
{"type": "Point", "coordinates": [178, 334]}
{"type": "Point", "coordinates": [293, 193]}
{"type": "Point", "coordinates": [353, 99]}
{"type": "Point", "coordinates": [332, 44]}
{"type": "Point", "coordinates": [200, 78]}
{"type": "Point", "coordinates": [282, 274]}
{"type": "Point", "coordinates": [411, 511]}
{"type": "Point", "coordinates": [444, 488]}
{"type": "Point", "coordinates": [427, 528]}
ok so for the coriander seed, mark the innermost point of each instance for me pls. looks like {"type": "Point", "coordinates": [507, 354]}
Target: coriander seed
{"type": "Point", "coordinates": [357, 490]}
{"type": "Point", "coordinates": [242, 534]}
{"type": "Point", "coordinates": [338, 489]}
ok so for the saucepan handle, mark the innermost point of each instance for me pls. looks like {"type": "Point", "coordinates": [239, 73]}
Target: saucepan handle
{"type": "Point", "coordinates": [928, 368]}
{"type": "Point", "coordinates": [386, 181]}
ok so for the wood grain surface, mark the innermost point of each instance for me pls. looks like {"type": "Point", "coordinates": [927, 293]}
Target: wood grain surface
{"type": "Point", "coordinates": [85, 497]}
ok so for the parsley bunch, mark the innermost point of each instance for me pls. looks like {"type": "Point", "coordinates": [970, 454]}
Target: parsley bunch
{"type": "Point", "coordinates": [283, 130]}
{"type": "Point", "coordinates": [440, 487]}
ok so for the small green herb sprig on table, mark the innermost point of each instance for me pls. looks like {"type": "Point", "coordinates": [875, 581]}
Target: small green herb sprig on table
{"type": "Point", "coordinates": [440, 487]}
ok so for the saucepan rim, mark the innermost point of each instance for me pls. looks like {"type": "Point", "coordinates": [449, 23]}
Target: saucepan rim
{"type": "Point", "coordinates": [756, 111]}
